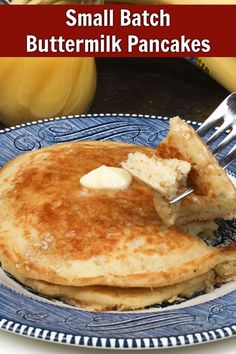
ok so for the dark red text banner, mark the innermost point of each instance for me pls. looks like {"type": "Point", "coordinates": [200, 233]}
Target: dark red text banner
{"type": "Point", "coordinates": [118, 30]}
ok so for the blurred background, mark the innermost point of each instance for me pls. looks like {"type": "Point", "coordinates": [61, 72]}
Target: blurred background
{"type": "Point", "coordinates": [158, 86]}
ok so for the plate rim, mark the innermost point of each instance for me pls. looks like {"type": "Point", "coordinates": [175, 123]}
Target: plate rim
{"type": "Point", "coordinates": [107, 342]}
{"type": "Point", "coordinates": [93, 115]}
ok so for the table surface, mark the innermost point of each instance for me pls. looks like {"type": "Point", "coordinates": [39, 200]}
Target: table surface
{"type": "Point", "coordinates": [162, 86]}
{"type": "Point", "coordinates": [12, 344]}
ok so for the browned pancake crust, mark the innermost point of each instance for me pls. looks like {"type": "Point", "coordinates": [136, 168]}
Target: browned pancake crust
{"type": "Point", "coordinates": [67, 210]}
{"type": "Point", "coordinates": [63, 222]}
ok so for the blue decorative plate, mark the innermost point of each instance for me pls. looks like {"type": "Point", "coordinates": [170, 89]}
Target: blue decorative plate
{"type": "Point", "coordinates": [203, 318]}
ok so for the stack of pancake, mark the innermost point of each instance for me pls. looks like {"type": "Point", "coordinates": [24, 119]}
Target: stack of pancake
{"type": "Point", "coordinates": [103, 249]}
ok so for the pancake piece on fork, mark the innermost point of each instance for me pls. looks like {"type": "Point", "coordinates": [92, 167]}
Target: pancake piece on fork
{"type": "Point", "coordinates": [214, 194]}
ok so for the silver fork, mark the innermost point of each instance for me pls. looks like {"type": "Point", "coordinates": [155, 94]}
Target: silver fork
{"type": "Point", "coordinates": [226, 111]}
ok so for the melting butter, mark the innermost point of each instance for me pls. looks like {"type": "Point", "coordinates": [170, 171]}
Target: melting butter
{"type": "Point", "coordinates": [105, 177]}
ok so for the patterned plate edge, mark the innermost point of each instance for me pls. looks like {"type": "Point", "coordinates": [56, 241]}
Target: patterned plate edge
{"type": "Point", "coordinates": [100, 115]}
{"type": "Point", "coordinates": [95, 115]}
{"type": "Point", "coordinates": [111, 343]}
{"type": "Point", "coordinates": [120, 343]}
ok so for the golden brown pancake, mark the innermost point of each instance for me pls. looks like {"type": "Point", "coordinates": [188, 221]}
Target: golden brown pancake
{"type": "Point", "coordinates": [94, 246]}
{"type": "Point", "coordinates": [103, 298]}
{"type": "Point", "coordinates": [57, 231]}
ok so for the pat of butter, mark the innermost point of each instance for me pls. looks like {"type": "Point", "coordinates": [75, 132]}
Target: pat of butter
{"type": "Point", "coordinates": [105, 177]}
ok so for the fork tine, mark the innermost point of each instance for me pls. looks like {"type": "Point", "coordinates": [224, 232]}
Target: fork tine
{"type": "Point", "coordinates": [229, 158]}
{"type": "Point", "coordinates": [231, 136]}
{"type": "Point", "coordinates": [222, 129]}
{"type": "Point", "coordinates": [213, 118]}
{"type": "Point", "coordinates": [181, 195]}
{"type": "Point", "coordinates": [224, 163]}
{"type": "Point", "coordinates": [227, 111]}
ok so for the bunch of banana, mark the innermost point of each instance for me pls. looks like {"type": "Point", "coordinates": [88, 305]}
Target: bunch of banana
{"type": "Point", "coordinates": [35, 88]}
